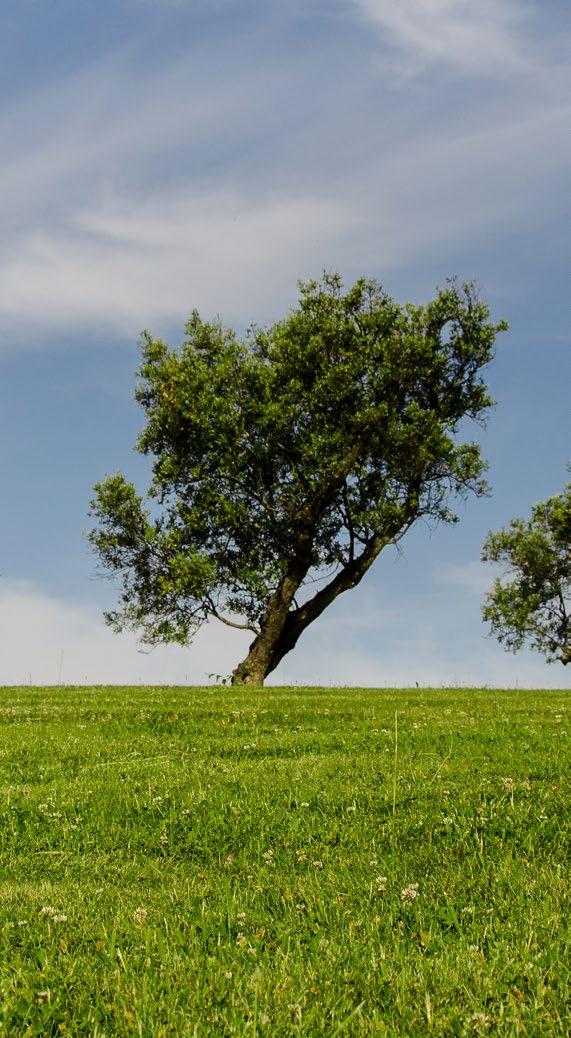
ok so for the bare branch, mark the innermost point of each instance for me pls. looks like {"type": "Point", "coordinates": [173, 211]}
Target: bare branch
{"type": "Point", "coordinates": [230, 623]}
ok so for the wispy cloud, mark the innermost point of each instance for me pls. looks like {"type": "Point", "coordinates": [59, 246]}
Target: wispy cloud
{"type": "Point", "coordinates": [127, 199]}
{"type": "Point", "coordinates": [124, 203]}
{"type": "Point", "coordinates": [107, 125]}
{"type": "Point", "coordinates": [475, 577]}
{"type": "Point", "coordinates": [124, 261]}
{"type": "Point", "coordinates": [479, 39]}
{"type": "Point", "coordinates": [126, 266]}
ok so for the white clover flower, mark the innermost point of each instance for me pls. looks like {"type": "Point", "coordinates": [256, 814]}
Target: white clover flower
{"type": "Point", "coordinates": [381, 882]}
{"type": "Point", "coordinates": [482, 1019]}
{"type": "Point", "coordinates": [409, 893]}
{"type": "Point", "coordinates": [139, 915]}
{"type": "Point", "coordinates": [59, 918]}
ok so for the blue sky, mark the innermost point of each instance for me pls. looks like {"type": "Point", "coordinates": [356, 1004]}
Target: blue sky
{"type": "Point", "coordinates": [161, 155]}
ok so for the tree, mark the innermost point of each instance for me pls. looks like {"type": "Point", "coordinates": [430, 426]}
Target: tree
{"type": "Point", "coordinates": [535, 604]}
{"type": "Point", "coordinates": [292, 457]}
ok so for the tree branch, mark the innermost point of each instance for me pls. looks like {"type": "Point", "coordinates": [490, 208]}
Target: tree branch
{"type": "Point", "coordinates": [230, 623]}
{"type": "Point", "coordinates": [349, 522]}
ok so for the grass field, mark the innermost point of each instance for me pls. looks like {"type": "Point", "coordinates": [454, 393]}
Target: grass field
{"type": "Point", "coordinates": [281, 862]}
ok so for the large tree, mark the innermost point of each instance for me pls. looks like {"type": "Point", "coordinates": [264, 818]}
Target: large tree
{"type": "Point", "coordinates": [533, 602]}
{"type": "Point", "coordinates": [286, 460]}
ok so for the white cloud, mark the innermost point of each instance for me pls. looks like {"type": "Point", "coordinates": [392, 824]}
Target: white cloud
{"type": "Point", "coordinates": [129, 199]}
{"type": "Point", "coordinates": [94, 236]}
{"type": "Point", "coordinates": [125, 261]}
{"type": "Point", "coordinates": [128, 266]}
{"type": "Point", "coordinates": [47, 641]}
{"type": "Point", "coordinates": [481, 39]}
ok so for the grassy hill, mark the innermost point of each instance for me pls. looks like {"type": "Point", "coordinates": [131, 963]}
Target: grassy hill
{"type": "Point", "coordinates": [181, 861]}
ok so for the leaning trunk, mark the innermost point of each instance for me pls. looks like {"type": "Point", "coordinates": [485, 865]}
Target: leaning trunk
{"type": "Point", "coordinates": [258, 663]}
{"type": "Point", "coordinates": [266, 651]}
{"type": "Point", "coordinates": [256, 666]}
{"type": "Point", "coordinates": [282, 628]}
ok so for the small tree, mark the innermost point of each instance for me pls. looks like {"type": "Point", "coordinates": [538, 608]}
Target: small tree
{"type": "Point", "coordinates": [294, 455]}
{"type": "Point", "coordinates": [535, 604]}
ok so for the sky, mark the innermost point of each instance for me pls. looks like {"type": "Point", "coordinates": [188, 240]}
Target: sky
{"type": "Point", "coordinates": [165, 155]}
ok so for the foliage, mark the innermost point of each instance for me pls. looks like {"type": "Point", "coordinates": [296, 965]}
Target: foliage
{"type": "Point", "coordinates": [221, 859]}
{"type": "Point", "coordinates": [534, 605]}
{"type": "Point", "coordinates": [296, 453]}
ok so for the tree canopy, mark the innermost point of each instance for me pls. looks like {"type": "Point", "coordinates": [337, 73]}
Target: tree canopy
{"type": "Point", "coordinates": [533, 604]}
{"type": "Point", "coordinates": [292, 455]}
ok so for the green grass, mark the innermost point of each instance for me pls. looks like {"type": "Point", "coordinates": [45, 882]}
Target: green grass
{"type": "Point", "coordinates": [220, 854]}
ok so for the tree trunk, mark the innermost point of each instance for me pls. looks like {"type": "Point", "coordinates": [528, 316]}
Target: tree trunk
{"type": "Point", "coordinates": [257, 664]}
{"type": "Point", "coordinates": [282, 627]}
{"type": "Point", "coordinates": [254, 669]}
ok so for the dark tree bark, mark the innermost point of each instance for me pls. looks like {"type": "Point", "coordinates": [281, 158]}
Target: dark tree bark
{"type": "Point", "coordinates": [257, 664]}
{"type": "Point", "coordinates": [282, 626]}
